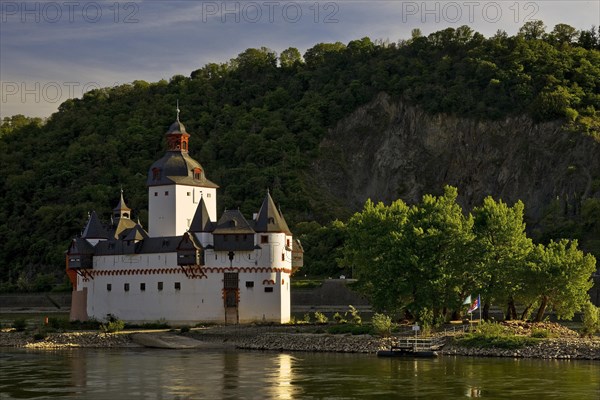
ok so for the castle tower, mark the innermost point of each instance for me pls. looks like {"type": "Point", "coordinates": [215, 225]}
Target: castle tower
{"type": "Point", "coordinates": [176, 185]}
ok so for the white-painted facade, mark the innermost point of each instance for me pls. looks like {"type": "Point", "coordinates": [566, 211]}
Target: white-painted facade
{"type": "Point", "coordinates": [141, 277]}
{"type": "Point", "coordinates": [171, 208]}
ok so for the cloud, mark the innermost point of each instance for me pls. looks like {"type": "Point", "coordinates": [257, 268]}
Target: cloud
{"type": "Point", "coordinates": [151, 40]}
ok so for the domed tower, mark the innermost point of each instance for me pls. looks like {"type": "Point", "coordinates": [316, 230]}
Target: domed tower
{"type": "Point", "coordinates": [176, 185]}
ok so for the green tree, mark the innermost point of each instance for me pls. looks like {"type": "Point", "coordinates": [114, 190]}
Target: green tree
{"type": "Point", "coordinates": [562, 275]}
{"type": "Point", "coordinates": [502, 249]}
{"type": "Point", "coordinates": [290, 57]}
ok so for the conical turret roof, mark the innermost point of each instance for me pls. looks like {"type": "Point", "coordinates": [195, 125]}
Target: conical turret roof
{"type": "Point", "coordinates": [269, 218]}
{"type": "Point", "coordinates": [94, 228]}
{"type": "Point", "coordinates": [201, 221]}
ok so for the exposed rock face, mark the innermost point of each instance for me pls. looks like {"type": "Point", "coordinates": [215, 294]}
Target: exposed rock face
{"type": "Point", "coordinates": [388, 150]}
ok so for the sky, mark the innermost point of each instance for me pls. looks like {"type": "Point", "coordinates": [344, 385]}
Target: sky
{"type": "Point", "coordinates": [54, 50]}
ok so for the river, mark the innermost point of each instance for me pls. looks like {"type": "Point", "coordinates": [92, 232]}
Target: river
{"type": "Point", "coordinates": [176, 374]}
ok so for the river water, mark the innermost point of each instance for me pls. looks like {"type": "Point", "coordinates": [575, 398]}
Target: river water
{"type": "Point", "coordinates": [176, 374]}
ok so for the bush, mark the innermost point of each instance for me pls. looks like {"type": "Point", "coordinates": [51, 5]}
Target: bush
{"type": "Point", "coordinates": [591, 319]}
{"type": "Point", "coordinates": [492, 334]}
{"type": "Point", "coordinates": [20, 324]}
{"type": "Point", "coordinates": [348, 328]}
{"type": "Point", "coordinates": [321, 318]}
{"type": "Point", "coordinates": [337, 317]}
{"type": "Point", "coordinates": [184, 329]}
{"type": "Point", "coordinates": [382, 324]}
{"type": "Point", "coordinates": [540, 333]}
{"type": "Point", "coordinates": [356, 318]}
{"type": "Point", "coordinates": [113, 324]}
{"type": "Point", "coordinates": [306, 319]}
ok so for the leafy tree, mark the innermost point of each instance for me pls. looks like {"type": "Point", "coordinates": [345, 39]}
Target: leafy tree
{"type": "Point", "coordinates": [562, 278]}
{"type": "Point", "coordinates": [503, 249]}
{"type": "Point", "coordinates": [533, 30]}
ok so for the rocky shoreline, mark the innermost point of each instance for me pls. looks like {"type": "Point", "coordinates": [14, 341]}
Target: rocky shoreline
{"type": "Point", "coordinates": [286, 338]}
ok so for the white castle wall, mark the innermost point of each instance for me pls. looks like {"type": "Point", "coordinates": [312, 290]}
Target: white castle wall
{"type": "Point", "coordinates": [171, 208]}
{"type": "Point", "coordinates": [198, 299]}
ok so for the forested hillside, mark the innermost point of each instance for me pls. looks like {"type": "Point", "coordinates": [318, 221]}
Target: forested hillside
{"type": "Point", "coordinates": [259, 121]}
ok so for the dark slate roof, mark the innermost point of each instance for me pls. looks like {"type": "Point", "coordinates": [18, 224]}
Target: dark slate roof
{"type": "Point", "coordinates": [201, 221]}
{"type": "Point", "coordinates": [80, 246]}
{"type": "Point", "coordinates": [269, 218]}
{"type": "Point", "coordinates": [94, 228]}
{"type": "Point", "coordinates": [176, 128]}
{"type": "Point", "coordinates": [233, 222]}
{"type": "Point", "coordinates": [178, 167]}
{"type": "Point", "coordinates": [284, 224]}
{"type": "Point", "coordinates": [121, 206]}
{"type": "Point", "coordinates": [149, 245]}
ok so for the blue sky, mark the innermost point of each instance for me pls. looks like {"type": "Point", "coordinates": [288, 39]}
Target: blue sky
{"type": "Point", "coordinates": [53, 50]}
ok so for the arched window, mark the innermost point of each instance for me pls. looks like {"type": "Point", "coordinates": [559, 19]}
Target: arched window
{"type": "Point", "coordinates": [184, 145]}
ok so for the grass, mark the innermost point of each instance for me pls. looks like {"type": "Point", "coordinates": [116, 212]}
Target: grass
{"type": "Point", "coordinates": [306, 283]}
{"type": "Point", "coordinates": [494, 335]}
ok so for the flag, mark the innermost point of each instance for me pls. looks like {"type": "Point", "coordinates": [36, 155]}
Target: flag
{"type": "Point", "coordinates": [467, 301]}
{"type": "Point", "coordinates": [475, 305]}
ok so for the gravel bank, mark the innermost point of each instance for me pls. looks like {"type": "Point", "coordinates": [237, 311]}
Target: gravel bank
{"type": "Point", "coordinates": [289, 338]}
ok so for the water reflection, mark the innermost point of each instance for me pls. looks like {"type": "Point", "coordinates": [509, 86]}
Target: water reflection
{"type": "Point", "coordinates": [170, 374]}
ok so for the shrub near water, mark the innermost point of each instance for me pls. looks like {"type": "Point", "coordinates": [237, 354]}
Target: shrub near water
{"type": "Point", "coordinates": [382, 324]}
{"type": "Point", "coordinates": [494, 335]}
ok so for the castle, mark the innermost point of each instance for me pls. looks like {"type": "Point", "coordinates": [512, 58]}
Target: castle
{"type": "Point", "coordinates": [189, 266]}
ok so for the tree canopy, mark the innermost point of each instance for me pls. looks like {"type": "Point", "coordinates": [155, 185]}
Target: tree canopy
{"type": "Point", "coordinates": [257, 122]}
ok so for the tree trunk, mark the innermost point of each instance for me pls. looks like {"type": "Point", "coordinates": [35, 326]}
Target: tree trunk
{"type": "Point", "coordinates": [526, 311]}
{"type": "Point", "coordinates": [486, 311]}
{"type": "Point", "coordinates": [512, 309]}
{"type": "Point", "coordinates": [541, 310]}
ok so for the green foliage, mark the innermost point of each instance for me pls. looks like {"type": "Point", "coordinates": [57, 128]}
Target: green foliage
{"type": "Point", "coordinates": [322, 247]}
{"type": "Point", "coordinates": [382, 324]}
{"type": "Point", "coordinates": [321, 318]}
{"type": "Point", "coordinates": [591, 319]}
{"type": "Point", "coordinates": [20, 324]}
{"type": "Point", "coordinates": [540, 333]}
{"type": "Point", "coordinates": [306, 283]}
{"type": "Point", "coordinates": [257, 124]}
{"type": "Point", "coordinates": [494, 335]}
{"type": "Point", "coordinates": [349, 328]}
{"type": "Point", "coordinates": [355, 317]}
{"type": "Point", "coordinates": [160, 324]}
{"type": "Point", "coordinates": [306, 318]}
{"type": "Point", "coordinates": [113, 324]}
{"type": "Point", "coordinates": [339, 319]}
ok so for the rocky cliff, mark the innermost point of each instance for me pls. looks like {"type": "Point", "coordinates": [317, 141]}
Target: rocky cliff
{"type": "Point", "coordinates": [388, 149]}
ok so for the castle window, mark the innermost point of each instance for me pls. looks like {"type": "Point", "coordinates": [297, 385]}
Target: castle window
{"type": "Point", "coordinates": [189, 194]}
{"type": "Point", "coordinates": [184, 145]}
{"type": "Point", "coordinates": [288, 243]}
{"type": "Point", "coordinates": [155, 194]}
{"type": "Point", "coordinates": [126, 287]}
{"type": "Point", "coordinates": [160, 286]}
{"type": "Point", "coordinates": [271, 220]}
{"type": "Point", "coordinates": [264, 239]}
{"type": "Point", "coordinates": [237, 238]}
{"type": "Point", "coordinates": [208, 195]}
{"type": "Point", "coordinates": [142, 287]}
{"type": "Point", "coordinates": [269, 289]}
{"type": "Point", "coordinates": [249, 284]}
{"type": "Point", "coordinates": [282, 257]}
{"type": "Point", "coordinates": [197, 172]}
{"type": "Point", "coordinates": [108, 287]}
{"type": "Point", "coordinates": [156, 173]}
{"type": "Point", "coordinates": [166, 193]}
{"type": "Point", "coordinates": [177, 285]}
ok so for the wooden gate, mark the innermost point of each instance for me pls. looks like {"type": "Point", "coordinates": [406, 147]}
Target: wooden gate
{"type": "Point", "coordinates": [231, 297]}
